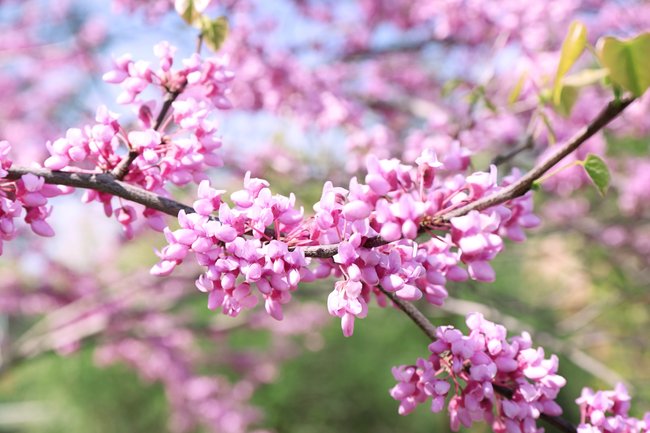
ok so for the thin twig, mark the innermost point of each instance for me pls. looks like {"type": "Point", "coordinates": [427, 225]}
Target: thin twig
{"type": "Point", "coordinates": [414, 314]}
{"type": "Point", "coordinates": [511, 153]}
{"type": "Point", "coordinates": [122, 169]}
{"type": "Point", "coordinates": [398, 48]}
{"type": "Point", "coordinates": [199, 43]}
{"type": "Point", "coordinates": [525, 183]}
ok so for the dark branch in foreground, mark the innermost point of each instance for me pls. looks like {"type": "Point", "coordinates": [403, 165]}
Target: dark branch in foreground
{"type": "Point", "coordinates": [104, 182]}
{"type": "Point", "coordinates": [107, 183]}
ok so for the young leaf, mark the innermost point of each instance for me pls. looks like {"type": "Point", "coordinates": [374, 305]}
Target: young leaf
{"type": "Point", "coordinates": [585, 78]}
{"type": "Point", "coordinates": [568, 97]}
{"type": "Point", "coordinates": [627, 61]}
{"type": "Point", "coordinates": [489, 104]}
{"type": "Point", "coordinates": [516, 91]}
{"type": "Point", "coordinates": [214, 32]}
{"type": "Point", "coordinates": [544, 96]}
{"type": "Point", "coordinates": [188, 10]}
{"type": "Point", "coordinates": [191, 10]}
{"type": "Point", "coordinates": [598, 172]}
{"type": "Point", "coordinates": [450, 86]}
{"type": "Point", "coordinates": [475, 95]}
{"type": "Point", "coordinates": [571, 85]}
{"type": "Point", "coordinates": [573, 45]}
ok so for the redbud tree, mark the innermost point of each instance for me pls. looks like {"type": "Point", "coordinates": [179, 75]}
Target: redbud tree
{"type": "Point", "coordinates": [292, 163]}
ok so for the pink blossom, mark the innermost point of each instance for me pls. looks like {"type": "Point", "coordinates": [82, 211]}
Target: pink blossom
{"type": "Point", "coordinates": [478, 359]}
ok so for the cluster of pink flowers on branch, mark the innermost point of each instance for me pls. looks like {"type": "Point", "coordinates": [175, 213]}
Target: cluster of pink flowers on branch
{"type": "Point", "coordinates": [264, 242]}
{"type": "Point", "coordinates": [484, 376]}
{"type": "Point", "coordinates": [175, 146]}
{"type": "Point", "coordinates": [29, 194]}
{"type": "Point", "coordinates": [236, 263]}
{"type": "Point", "coordinates": [607, 412]}
{"type": "Point", "coordinates": [476, 370]}
{"type": "Point", "coordinates": [397, 232]}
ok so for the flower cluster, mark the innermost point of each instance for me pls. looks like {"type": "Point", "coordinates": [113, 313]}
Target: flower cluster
{"type": "Point", "coordinates": [175, 146]}
{"type": "Point", "coordinates": [94, 144]}
{"type": "Point", "coordinates": [238, 254]}
{"type": "Point", "coordinates": [29, 193]}
{"type": "Point", "coordinates": [607, 412]}
{"type": "Point", "coordinates": [199, 78]}
{"type": "Point", "coordinates": [375, 226]}
{"type": "Point", "coordinates": [395, 205]}
{"type": "Point", "coordinates": [505, 382]}
{"type": "Point", "coordinates": [390, 231]}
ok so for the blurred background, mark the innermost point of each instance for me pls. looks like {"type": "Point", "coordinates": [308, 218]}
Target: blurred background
{"type": "Point", "coordinates": [89, 342]}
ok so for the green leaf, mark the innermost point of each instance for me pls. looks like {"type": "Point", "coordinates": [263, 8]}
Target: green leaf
{"type": "Point", "coordinates": [489, 104]}
{"type": "Point", "coordinates": [450, 86]}
{"type": "Point", "coordinates": [475, 95]}
{"type": "Point", "coordinates": [585, 78]}
{"type": "Point", "coordinates": [478, 95]}
{"type": "Point", "coordinates": [573, 45]}
{"type": "Point", "coordinates": [544, 96]}
{"type": "Point", "coordinates": [628, 61]}
{"type": "Point", "coordinates": [516, 91]}
{"type": "Point", "coordinates": [568, 98]}
{"type": "Point", "coordinates": [571, 85]}
{"type": "Point", "coordinates": [214, 32]}
{"type": "Point", "coordinates": [598, 172]}
{"type": "Point", "coordinates": [188, 11]}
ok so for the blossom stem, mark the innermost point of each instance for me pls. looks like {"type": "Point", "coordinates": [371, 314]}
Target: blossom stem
{"type": "Point", "coordinates": [613, 109]}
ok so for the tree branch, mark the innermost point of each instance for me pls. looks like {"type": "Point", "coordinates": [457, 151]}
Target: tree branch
{"type": "Point", "coordinates": [169, 100]}
{"type": "Point", "coordinates": [519, 188]}
{"type": "Point", "coordinates": [105, 182]}
{"type": "Point", "coordinates": [414, 314]}
{"type": "Point", "coordinates": [511, 153]}
{"type": "Point", "coordinates": [122, 168]}
{"type": "Point", "coordinates": [397, 48]}
{"type": "Point", "coordinates": [525, 183]}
